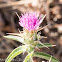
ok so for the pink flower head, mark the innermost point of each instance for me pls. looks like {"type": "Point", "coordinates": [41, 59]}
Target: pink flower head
{"type": "Point", "coordinates": [30, 21]}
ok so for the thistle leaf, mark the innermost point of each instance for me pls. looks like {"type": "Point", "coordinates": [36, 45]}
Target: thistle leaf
{"type": "Point", "coordinates": [45, 56]}
{"type": "Point", "coordinates": [15, 52]}
{"type": "Point", "coordinates": [17, 38]}
{"type": "Point", "coordinates": [29, 56]}
{"type": "Point", "coordinates": [46, 44]}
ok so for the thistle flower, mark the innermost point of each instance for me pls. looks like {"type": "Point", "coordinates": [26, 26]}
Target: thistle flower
{"type": "Point", "coordinates": [30, 21]}
{"type": "Point", "coordinates": [30, 39]}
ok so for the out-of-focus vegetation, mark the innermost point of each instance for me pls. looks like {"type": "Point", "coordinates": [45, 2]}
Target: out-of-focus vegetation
{"type": "Point", "coordinates": [9, 24]}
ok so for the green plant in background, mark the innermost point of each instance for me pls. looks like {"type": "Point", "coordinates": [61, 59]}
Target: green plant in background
{"type": "Point", "coordinates": [29, 38]}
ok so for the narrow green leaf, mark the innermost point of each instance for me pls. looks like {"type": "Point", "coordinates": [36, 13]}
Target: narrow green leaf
{"type": "Point", "coordinates": [45, 56]}
{"type": "Point", "coordinates": [28, 57]}
{"type": "Point", "coordinates": [17, 38]}
{"type": "Point", "coordinates": [46, 44]}
{"type": "Point", "coordinates": [15, 52]}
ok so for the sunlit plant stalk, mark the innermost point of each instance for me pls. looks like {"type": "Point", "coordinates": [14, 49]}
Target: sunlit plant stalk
{"type": "Point", "coordinates": [29, 38]}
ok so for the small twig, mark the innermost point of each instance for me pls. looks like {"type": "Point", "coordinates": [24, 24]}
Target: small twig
{"type": "Point", "coordinates": [17, 3]}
